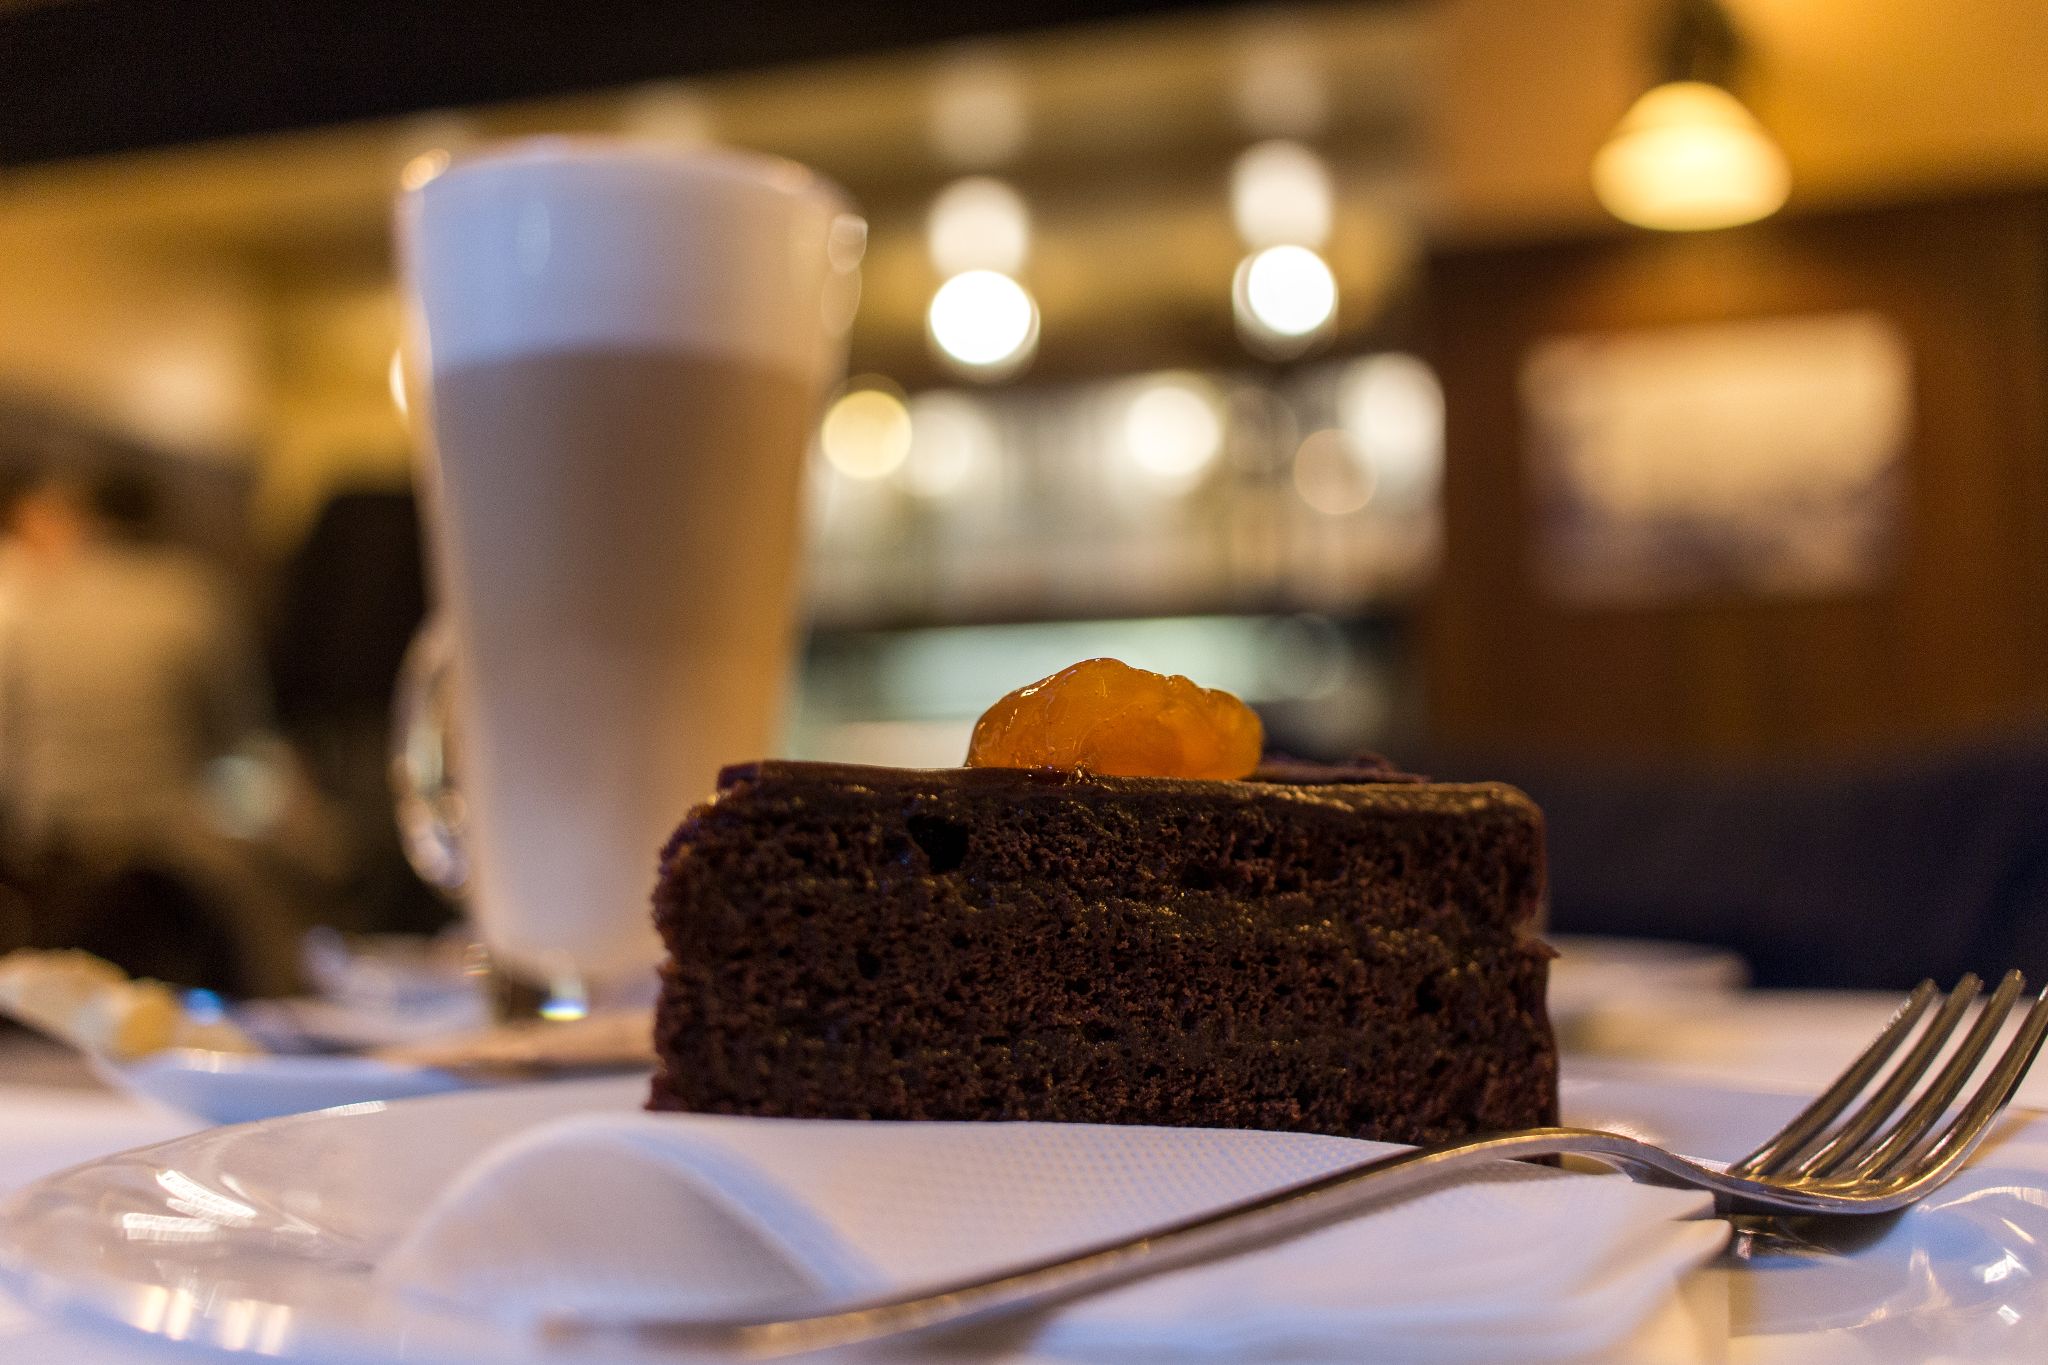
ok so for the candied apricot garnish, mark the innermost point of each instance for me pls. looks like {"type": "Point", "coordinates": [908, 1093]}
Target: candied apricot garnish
{"type": "Point", "coordinates": [1102, 716]}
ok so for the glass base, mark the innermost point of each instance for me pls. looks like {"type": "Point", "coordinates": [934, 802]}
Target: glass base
{"type": "Point", "coordinates": [513, 997]}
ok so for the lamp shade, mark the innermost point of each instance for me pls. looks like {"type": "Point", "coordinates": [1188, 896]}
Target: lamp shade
{"type": "Point", "coordinates": [1687, 156]}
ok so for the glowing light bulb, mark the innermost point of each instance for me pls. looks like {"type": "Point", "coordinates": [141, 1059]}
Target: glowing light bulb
{"type": "Point", "coordinates": [985, 322]}
{"type": "Point", "coordinates": [978, 223]}
{"type": "Point", "coordinates": [1280, 194]}
{"type": "Point", "coordinates": [1285, 294]}
{"type": "Point", "coordinates": [1687, 157]}
{"type": "Point", "coordinates": [866, 433]}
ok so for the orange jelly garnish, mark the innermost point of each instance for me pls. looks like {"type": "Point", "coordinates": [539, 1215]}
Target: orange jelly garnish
{"type": "Point", "coordinates": [1102, 716]}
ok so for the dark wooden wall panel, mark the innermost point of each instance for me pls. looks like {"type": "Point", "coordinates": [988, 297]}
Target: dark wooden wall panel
{"type": "Point", "coordinates": [1955, 645]}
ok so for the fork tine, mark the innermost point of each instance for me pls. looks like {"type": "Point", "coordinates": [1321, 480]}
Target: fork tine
{"type": "Point", "coordinates": [1832, 1101]}
{"type": "Point", "coordinates": [1942, 1090]}
{"type": "Point", "coordinates": [1934, 1163]}
{"type": "Point", "coordinates": [1845, 1142]}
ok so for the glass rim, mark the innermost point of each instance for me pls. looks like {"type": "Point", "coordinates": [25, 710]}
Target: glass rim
{"type": "Point", "coordinates": [711, 162]}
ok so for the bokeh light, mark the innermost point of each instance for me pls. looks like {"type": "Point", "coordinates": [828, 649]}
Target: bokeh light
{"type": "Point", "coordinates": [1285, 293]}
{"type": "Point", "coordinates": [1281, 90]}
{"type": "Point", "coordinates": [1392, 408]}
{"type": "Point", "coordinates": [1331, 474]}
{"type": "Point", "coordinates": [1280, 195]}
{"type": "Point", "coordinates": [984, 322]}
{"type": "Point", "coordinates": [978, 223]}
{"type": "Point", "coordinates": [954, 446]}
{"type": "Point", "coordinates": [1173, 430]}
{"type": "Point", "coordinates": [867, 432]}
{"type": "Point", "coordinates": [977, 117]}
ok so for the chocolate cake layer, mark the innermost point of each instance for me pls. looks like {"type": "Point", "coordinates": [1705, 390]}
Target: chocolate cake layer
{"type": "Point", "coordinates": [1355, 958]}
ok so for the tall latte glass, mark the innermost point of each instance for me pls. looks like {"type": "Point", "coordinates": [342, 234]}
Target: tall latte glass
{"type": "Point", "coordinates": [619, 352]}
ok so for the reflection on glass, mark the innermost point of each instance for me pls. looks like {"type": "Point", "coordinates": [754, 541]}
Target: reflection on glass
{"type": "Point", "coordinates": [188, 1196]}
{"type": "Point", "coordinates": [248, 1325]}
{"type": "Point", "coordinates": [395, 377]}
{"type": "Point", "coordinates": [166, 1227]}
{"type": "Point", "coordinates": [423, 168]}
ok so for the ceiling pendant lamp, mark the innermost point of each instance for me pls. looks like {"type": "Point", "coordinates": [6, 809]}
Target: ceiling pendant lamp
{"type": "Point", "coordinates": [1688, 156]}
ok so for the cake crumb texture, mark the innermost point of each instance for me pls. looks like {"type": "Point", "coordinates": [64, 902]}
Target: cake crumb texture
{"type": "Point", "coordinates": [1357, 960]}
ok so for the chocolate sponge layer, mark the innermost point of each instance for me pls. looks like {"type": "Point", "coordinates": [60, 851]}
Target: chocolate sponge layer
{"type": "Point", "coordinates": [1355, 959]}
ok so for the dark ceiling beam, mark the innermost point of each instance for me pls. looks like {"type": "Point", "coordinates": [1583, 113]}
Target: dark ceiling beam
{"type": "Point", "coordinates": [85, 77]}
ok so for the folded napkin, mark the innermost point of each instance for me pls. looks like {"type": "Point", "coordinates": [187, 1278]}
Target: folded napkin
{"type": "Point", "coordinates": [614, 1219]}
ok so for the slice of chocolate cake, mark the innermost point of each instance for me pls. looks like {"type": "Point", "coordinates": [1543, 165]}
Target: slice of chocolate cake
{"type": "Point", "coordinates": [1354, 957]}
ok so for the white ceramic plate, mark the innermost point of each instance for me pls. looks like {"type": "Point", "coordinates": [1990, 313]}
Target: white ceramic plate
{"type": "Point", "coordinates": [260, 1238]}
{"type": "Point", "coordinates": [235, 1087]}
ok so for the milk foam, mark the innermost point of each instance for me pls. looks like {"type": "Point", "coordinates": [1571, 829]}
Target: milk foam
{"type": "Point", "coordinates": [565, 244]}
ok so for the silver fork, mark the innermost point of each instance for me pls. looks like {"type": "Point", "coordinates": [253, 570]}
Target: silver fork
{"type": "Point", "coordinates": [1831, 1158]}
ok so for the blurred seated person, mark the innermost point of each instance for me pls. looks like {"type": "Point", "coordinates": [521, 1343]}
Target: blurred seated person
{"type": "Point", "coordinates": [125, 679]}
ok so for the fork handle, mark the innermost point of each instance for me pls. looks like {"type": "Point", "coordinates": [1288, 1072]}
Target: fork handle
{"type": "Point", "coordinates": [1235, 1228]}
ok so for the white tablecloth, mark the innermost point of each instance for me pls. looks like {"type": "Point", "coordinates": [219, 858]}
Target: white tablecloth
{"type": "Point", "coordinates": [52, 1116]}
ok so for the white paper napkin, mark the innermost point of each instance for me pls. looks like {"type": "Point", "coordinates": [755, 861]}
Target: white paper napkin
{"type": "Point", "coordinates": [615, 1219]}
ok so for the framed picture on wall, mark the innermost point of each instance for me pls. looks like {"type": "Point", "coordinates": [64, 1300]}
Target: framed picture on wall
{"type": "Point", "coordinates": [1762, 457]}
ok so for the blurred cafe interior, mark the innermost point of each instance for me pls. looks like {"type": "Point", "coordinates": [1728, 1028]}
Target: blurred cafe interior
{"type": "Point", "coordinates": [1645, 401]}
